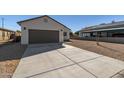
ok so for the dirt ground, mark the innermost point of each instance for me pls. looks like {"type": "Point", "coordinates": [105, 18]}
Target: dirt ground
{"type": "Point", "coordinates": [10, 55]}
{"type": "Point", "coordinates": [113, 50]}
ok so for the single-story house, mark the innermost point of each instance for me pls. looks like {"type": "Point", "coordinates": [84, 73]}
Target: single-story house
{"type": "Point", "coordinates": [6, 34]}
{"type": "Point", "coordinates": [114, 29]}
{"type": "Point", "coordinates": [110, 32]}
{"type": "Point", "coordinates": [43, 29]}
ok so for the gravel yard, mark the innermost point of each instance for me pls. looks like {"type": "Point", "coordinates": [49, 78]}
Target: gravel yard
{"type": "Point", "coordinates": [10, 55]}
{"type": "Point", "coordinates": [113, 50]}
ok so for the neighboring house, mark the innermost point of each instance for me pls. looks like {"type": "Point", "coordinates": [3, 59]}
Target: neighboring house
{"type": "Point", "coordinates": [43, 29]}
{"type": "Point", "coordinates": [111, 32]}
{"type": "Point", "coordinates": [6, 34]}
{"type": "Point", "coordinates": [114, 29]}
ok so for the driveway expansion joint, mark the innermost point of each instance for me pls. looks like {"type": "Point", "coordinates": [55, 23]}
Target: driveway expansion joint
{"type": "Point", "coordinates": [89, 59]}
{"type": "Point", "coordinates": [50, 70]}
{"type": "Point", "coordinates": [77, 64]}
{"type": "Point", "coordinates": [116, 73]}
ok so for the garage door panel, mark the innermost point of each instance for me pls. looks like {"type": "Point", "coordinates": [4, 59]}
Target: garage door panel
{"type": "Point", "coordinates": [43, 36]}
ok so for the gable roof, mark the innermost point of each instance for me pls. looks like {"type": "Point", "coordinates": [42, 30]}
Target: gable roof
{"type": "Point", "coordinates": [42, 17]}
{"type": "Point", "coordinates": [108, 26]}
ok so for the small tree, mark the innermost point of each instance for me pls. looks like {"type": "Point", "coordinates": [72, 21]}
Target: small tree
{"type": "Point", "coordinates": [18, 31]}
{"type": "Point", "coordinates": [77, 33]}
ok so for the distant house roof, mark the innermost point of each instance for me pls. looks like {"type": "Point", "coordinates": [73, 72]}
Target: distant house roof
{"type": "Point", "coordinates": [4, 29]}
{"type": "Point", "coordinates": [42, 17]}
{"type": "Point", "coordinates": [104, 27]}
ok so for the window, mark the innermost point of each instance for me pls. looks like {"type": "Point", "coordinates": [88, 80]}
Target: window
{"type": "Point", "coordinates": [65, 33]}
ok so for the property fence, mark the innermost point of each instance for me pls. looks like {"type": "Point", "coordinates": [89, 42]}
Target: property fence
{"type": "Point", "coordinates": [106, 39]}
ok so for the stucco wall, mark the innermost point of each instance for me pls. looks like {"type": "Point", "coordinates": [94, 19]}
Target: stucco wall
{"type": "Point", "coordinates": [4, 35]}
{"type": "Point", "coordinates": [41, 25]}
{"type": "Point", "coordinates": [67, 37]}
{"type": "Point", "coordinates": [24, 37]}
{"type": "Point", "coordinates": [1, 38]}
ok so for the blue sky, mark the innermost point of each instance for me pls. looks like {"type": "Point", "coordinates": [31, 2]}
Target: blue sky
{"type": "Point", "coordinates": [74, 22]}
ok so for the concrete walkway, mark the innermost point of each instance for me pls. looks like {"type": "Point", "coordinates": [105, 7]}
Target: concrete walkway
{"type": "Point", "coordinates": [56, 61]}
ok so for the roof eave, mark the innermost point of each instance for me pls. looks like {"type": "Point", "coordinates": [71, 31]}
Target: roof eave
{"type": "Point", "coordinates": [102, 30]}
{"type": "Point", "coordinates": [41, 17]}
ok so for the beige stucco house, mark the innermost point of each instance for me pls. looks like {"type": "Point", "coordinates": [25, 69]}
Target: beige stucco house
{"type": "Point", "coordinates": [5, 34]}
{"type": "Point", "coordinates": [43, 29]}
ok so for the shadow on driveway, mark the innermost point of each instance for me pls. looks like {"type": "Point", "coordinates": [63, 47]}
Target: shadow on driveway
{"type": "Point", "coordinates": [15, 51]}
{"type": "Point", "coordinates": [41, 48]}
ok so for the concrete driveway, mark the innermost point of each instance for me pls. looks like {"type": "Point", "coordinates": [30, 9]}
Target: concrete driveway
{"type": "Point", "coordinates": [56, 61]}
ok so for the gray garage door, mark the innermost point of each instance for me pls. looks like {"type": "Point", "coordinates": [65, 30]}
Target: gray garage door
{"type": "Point", "coordinates": [43, 36]}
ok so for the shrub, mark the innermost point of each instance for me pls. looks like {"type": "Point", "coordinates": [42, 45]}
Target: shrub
{"type": "Point", "coordinates": [17, 39]}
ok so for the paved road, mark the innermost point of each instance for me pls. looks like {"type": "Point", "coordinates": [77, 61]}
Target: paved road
{"type": "Point", "coordinates": [55, 61]}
